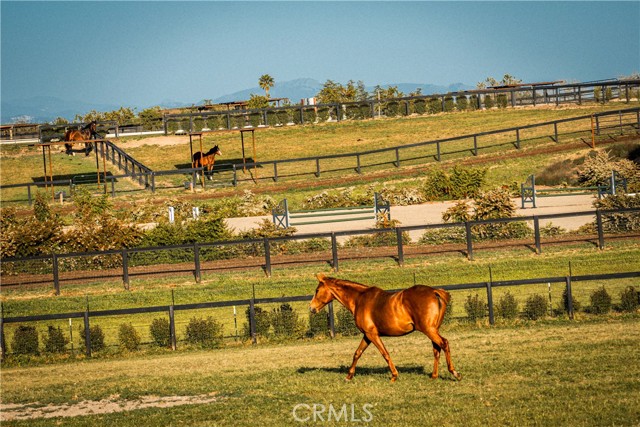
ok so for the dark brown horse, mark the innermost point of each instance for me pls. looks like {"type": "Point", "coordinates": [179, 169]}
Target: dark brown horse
{"type": "Point", "coordinates": [379, 313]}
{"type": "Point", "coordinates": [208, 159]}
{"type": "Point", "coordinates": [87, 132]}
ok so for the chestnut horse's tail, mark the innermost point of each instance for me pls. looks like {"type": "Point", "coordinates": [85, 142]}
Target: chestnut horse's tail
{"type": "Point", "coordinates": [443, 301]}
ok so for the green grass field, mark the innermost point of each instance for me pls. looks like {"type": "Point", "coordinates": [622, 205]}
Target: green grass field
{"type": "Point", "coordinates": [548, 374]}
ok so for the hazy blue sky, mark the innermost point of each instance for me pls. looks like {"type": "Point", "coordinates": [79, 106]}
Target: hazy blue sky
{"type": "Point", "coordinates": [140, 53]}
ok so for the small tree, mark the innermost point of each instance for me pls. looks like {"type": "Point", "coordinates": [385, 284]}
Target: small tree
{"type": "Point", "coordinates": [96, 337]}
{"type": "Point", "coordinates": [507, 307]}
{"type": "Point", "coordinates": [160, 332]}
{"type": "Point", "coordinates": [266, 82]}
{"type": "Point", "coordinates": [535, 307]}
{"type": "Point", "coordinates": [629, 299]}
{"type": "Point", "coordinates": [475, 308]}
{"type": "Point", "coordinates": [600, 301]}
{"type": "Point", "coordinates": [206, 333]}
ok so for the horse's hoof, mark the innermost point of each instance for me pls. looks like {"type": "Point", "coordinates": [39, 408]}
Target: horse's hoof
{"type": "Point", "coordinates": [457, 376]}
{"type": "Point", "coordinates": [393, 379]}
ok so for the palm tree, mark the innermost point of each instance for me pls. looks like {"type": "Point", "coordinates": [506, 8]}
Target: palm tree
{"type": "Point", "coordinates": [266, 82]}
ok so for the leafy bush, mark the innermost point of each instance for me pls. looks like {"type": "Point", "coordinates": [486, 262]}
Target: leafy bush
{"type": "Point", "coordinates": [461, 102]}
{"type": "Point", "coordinates": [507, 307]}
{"type": "Point", "coordinates": [434, 105]}
{"type": "Point", "coordinates": [55, 341]}
{"type": "Point", "coordinates": [96, 337]}
{"type": "Point", "coordinates": [619, 222]}
{"type": "Point", "coordinates": [488, 102]}
{"type": "Point", "coordinates": [535, 307]}
{"type": "Point", "coordinates": [600, 301]}
{"type": "Point", "coordinates": [345, 324]}
{"type": "Point", "coordinates": [443, 235]}
{"type": "Point", "coordinates": [285, 321]}
{"type": "Point", "coordinates": [128, 337]}
{"type": "Point", "coordinates": [629, 299]}
{"type": "Point", "coordinates": [475, 308]}
{"type": "Point", "coordinates": [565, 301]}
{"type": "Point", "coordinates": [473, 102]}
{"type": "Point", "coordinates": [449, 105]}
{"type": "Point", "coordinates": [456, 184]}
{"type": "Point", "coordinates": [502, 100]}
{"type": "Point", "coordinates": [206, 333]}
{"type": "Point", "coordinates": [419, 106]}
{"type": "Point", "coordinates": [25, 340]}
{"type": "Point", "coordinates": [262, 319]}
{"type": "Point", "coordinates": [160, 332]}
{"type": "Point", "coordinates": [318, 324]}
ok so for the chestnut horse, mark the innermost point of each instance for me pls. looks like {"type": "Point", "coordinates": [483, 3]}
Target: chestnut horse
{"type": "Point", "coordinates": [87, 132]}
{"type": "Point", "coordinates": [379, 313]}
{"type": "Point", "coordinates": [208, 159]}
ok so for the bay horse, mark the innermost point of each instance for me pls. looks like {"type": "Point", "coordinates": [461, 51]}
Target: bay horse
{"type": "Point", "coordinates": [208, 159]}
{"type": "Point", "coordinates": [87, 132]}
{"type": "Point", "coordinates": [380, 313]}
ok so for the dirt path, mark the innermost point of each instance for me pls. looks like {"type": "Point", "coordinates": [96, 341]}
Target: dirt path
{"type": "Point", "coordinates": [29, 411]}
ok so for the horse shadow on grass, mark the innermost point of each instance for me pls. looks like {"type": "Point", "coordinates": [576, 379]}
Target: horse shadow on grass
{"type": "Point", "coordinates": [369, 371]}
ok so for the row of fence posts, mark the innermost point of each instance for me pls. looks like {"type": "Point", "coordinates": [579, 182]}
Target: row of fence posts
{"type": "Point", "coordinates": [252, 314]}
{"type": "Point", "coordinates": [334, 250]}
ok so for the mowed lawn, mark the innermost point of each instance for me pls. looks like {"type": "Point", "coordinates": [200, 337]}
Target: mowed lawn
{"type": "Point", "coordinates": [545, 374]}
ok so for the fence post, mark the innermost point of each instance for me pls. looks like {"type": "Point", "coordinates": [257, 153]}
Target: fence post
{"type": "Point", "coordinates": [400, 247]}
{"type": "Point", "coordinates": [600, 229]}
{"type": "Point", "coordinates": [555, 132]}
{"type": "Point", "coordinates": [334, 251]}
{"type": "Point", "coordinates": [317, 167]}
{"type": "Point", "coordinates": [87, 332]}
{"type": "Point", "coordinates": [490, 302]}
{"type": "Point", "coordinates": [267, 257]}
{"type": "Point", "coordinates": [252, 320]}
{"type": "Point", "coordinates": [358, 160]}
{"type": "Point", "coordinates": [125, 269]}
{"type": "Point", "coordinates": [275, 171]}
{"type": "Point", "coordinates": [397, 158]}
{"type": "Point", "coordinates": [536, 232]}
{"type": "Point", "coordinates": [467, 227]}
{"type": "Point", "coordinates": [331, 320]}
{"type": "Point", "coordinates": [475, 145]}
{"type": "Point", "coordinates": [196, 259]}
{"type": "Point", "coordinates": [235, 176]}
{"type": "Point", "coordinates": [56, 275]}
{"type": "Point", "coordinates": [438, 150]}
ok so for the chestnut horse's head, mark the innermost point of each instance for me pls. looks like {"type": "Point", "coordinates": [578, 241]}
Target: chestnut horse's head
{"type": "Point", "coordinates": [323, 295]}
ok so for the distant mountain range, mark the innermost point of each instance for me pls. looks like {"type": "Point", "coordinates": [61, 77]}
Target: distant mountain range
{"type": "Point", "coordinates": [43, 109]}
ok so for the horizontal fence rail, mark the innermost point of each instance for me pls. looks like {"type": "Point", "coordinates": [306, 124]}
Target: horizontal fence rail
{"type": "Point", "coordinates": [252, 302]}
{"type": "Point", "coordinates": [189, 259]}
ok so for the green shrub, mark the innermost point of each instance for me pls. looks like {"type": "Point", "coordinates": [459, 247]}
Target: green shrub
{"type": "Point", "coordinates": [456, 184]}
{"type": "Point", "coordinates": [128, 337]}
{"type": "Point", "coordinates": [318, 324]}
{"type": "Point", "coordinates": [443, 235]}
{"type": "Point", "coordinates": [25, 340]}
{"type": "Point", "coordinates": [449, 105]}
{"type": "Point", "coordinates": [473, 102]}
{"type": "Point", "coordinates": [419, 106]}
{"type": "Point", "coordinates": [629, 299]}
{"type": "Point", "coordinates": [535, 307]}
{"type": "Point", "coordinates": [565, 301]}
{"type": "Point", "coordinates": [285, 321]}
{"type": "Point", "coordinates": [55, 341]}
{"type": "Point", "coordinates": [448, 314]}
{"type": "Point", "coordinates": [345, 324]}
{"type": "Point", "coordinates": [160, 332]}
{"type": "Point", "coordinates": [507, 307]}
{"type": "Point", "coordinates": [475, 308]}
{"type": "Point", "coordinates": [262, 319]}
{"type": "Point", "coordinates": [206, 333]}
{"type": "Point", "coordinates": [393, 109]}
{"type": "Point", "coordinates": [461, 102]}
{"type": "Point", "coordinates": [434, 105]}
{"type": "Point", "coordinates": [502, 100]}
{"type": "Point", "coordinates": [96, 337]}
{"type": "Point", "coordinates": [488, 102]}
{"type": "Point", "coordinates": [600, 301]}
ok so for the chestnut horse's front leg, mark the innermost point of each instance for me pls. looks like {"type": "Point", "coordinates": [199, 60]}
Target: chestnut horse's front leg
{"type": "Point", "coordinates": [361, 348]}
{"type": "Point", "coordinates": [375, 339]}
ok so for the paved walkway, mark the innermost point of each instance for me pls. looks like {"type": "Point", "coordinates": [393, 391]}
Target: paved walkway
{"type": "Point", "coordinates": [431, 213]}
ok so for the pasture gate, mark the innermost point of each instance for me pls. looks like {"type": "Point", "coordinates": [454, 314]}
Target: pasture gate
{"type": "Point", "coordinates": [283, 218]}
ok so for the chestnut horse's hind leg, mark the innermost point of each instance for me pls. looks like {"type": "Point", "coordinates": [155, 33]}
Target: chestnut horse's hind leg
{"type": "Point", "coordinates": [361, 348]}
{"type": "Point", "coordinates": [436, 359]}
{"type": "Point", "coordinates": [441, 342]}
